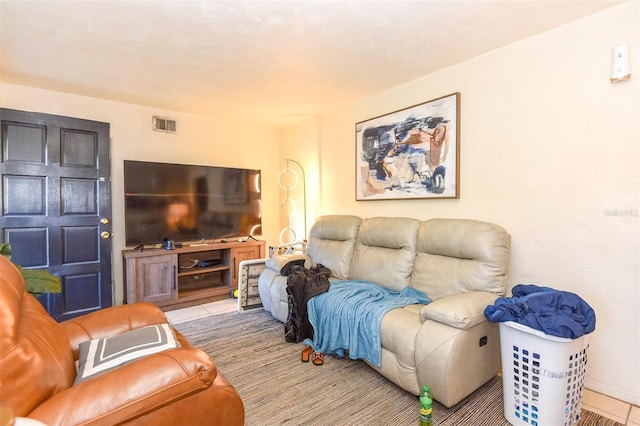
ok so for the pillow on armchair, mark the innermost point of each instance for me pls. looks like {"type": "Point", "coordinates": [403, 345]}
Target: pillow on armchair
{"type": "Point", "coordinates": [98, 356]}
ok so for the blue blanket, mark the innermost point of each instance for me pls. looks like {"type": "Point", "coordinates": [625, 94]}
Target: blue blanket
{"type": "Point", "coordinates": [348, 317]}
{"type": "Point", "coordinates": [557, 313]}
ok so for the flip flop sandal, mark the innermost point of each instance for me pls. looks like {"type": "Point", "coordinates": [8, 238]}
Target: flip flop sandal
{"type": "Point", "coordinates": [306, 353]}
{"type": "Point", "coordinates": [317, 358]}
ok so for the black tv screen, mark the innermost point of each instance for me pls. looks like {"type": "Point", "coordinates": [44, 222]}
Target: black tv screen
{"type": "Point", "coordinates": [189, 202]}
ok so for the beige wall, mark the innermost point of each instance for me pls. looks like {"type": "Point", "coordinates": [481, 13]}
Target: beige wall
{"type": "Point", "coordinates": [199, 140]}
{"type": "Point", "coordinates": [550, 150]}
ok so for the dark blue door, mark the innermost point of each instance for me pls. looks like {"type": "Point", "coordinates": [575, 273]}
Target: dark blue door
{"type": "Point", "coordinates": [56, 205]}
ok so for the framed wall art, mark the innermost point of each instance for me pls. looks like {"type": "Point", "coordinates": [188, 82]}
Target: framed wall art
{"type": "Point", "coordinates": [411, 153]}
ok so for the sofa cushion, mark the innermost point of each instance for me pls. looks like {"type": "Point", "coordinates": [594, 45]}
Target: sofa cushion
{"type": "Point", "coordinates": [331, 243]}
{"type": "Point", "coordinates": [462, 311]}
{"type": "Point", "coordinates": [398, 331]}
{"type": "Point", "coordinates": [460, 255]}
{"type": "Point", "coordinates": [280, 261]}
{"type": "Point", "coordinates": [98, 356]}
{"type": "Point", "coordinates": [385, 251]}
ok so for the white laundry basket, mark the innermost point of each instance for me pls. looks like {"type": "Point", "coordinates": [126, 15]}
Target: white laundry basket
{"type": "Point", "coordinates": [543, 376]}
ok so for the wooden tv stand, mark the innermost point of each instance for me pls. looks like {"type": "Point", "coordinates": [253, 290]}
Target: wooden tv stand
{"type": "Point", "coordinates": [194, 274]}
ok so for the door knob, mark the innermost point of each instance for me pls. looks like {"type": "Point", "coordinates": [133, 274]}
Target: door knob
{"type": "Point", "coordinates": [105, 235]}
{"type": "Point", "coordinates": [104, 221]}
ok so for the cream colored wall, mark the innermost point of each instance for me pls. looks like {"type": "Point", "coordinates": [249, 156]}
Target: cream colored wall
{"type": "Point", "coordinates": [199, 140]}
{"type": "Point", "coordinates": [550, 150]}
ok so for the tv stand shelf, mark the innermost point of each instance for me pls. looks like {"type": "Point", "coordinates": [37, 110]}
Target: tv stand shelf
{"type": "Point", "coordinates": [186, 276]}
{"type": "Point", "coordinates": [198, 271]}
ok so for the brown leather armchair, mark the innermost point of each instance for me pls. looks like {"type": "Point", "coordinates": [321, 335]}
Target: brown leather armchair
{"type": "Point", "coordinates": [38, 368]}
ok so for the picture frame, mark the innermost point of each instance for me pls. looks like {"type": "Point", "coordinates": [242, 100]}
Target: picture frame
{"type": "Point", "coordinates": [412, 153]}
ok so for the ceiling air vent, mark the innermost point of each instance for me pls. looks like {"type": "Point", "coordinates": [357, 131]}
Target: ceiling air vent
{"type": "Point", "coordinates": [163, 124]}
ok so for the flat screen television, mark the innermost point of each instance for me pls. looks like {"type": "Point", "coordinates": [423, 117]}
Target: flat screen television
{"type": "Point", "coordinates": [189, 202]}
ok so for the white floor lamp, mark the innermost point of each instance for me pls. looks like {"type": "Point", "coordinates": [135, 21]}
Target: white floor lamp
{"type": "Point", "coordinates": [288, 207]}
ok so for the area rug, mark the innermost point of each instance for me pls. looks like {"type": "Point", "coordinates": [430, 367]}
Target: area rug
{"type": "Point", "coordinates": [278, 389]}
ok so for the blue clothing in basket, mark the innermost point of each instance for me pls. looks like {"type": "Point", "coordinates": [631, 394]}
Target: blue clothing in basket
{"type": "Point", "coordinates": [557, 313]}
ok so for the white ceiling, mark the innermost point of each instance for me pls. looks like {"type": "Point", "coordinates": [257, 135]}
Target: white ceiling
{"type": "Point", "coordinates": [273, 61]}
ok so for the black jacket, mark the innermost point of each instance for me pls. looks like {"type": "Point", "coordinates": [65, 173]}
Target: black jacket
{"type": "Point", "coordinates": [302, 285]}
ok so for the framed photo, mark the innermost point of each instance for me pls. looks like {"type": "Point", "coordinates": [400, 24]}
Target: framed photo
{"type": "Point", "coordinates": [411, 153]}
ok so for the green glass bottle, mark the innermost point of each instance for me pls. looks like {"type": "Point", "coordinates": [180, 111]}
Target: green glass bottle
{"type": "Point", "coordinates": [426, 407]}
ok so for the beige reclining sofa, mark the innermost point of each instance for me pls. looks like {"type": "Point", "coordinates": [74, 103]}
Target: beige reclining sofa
{"type": "Point", "coordinates": [460, 264]}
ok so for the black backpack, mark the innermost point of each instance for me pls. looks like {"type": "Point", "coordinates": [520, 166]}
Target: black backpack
{"type": "Point", "coordinates": [302, 285]}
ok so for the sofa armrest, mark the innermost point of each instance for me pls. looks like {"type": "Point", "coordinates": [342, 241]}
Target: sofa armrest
{"type": "Point", "coordinates": [278, 262]}
{"type": "Point", "coordinates": [111, 321]}
{"type": "Point", "coordinates": [463, 310]}
{"type": "Point", "coordinates": [130, 390]}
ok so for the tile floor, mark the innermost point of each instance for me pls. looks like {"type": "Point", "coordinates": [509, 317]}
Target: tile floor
{"type": "Point", "coordinates": [201, 311]}
{"type": "Point", "coordinates": [604, 405]}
